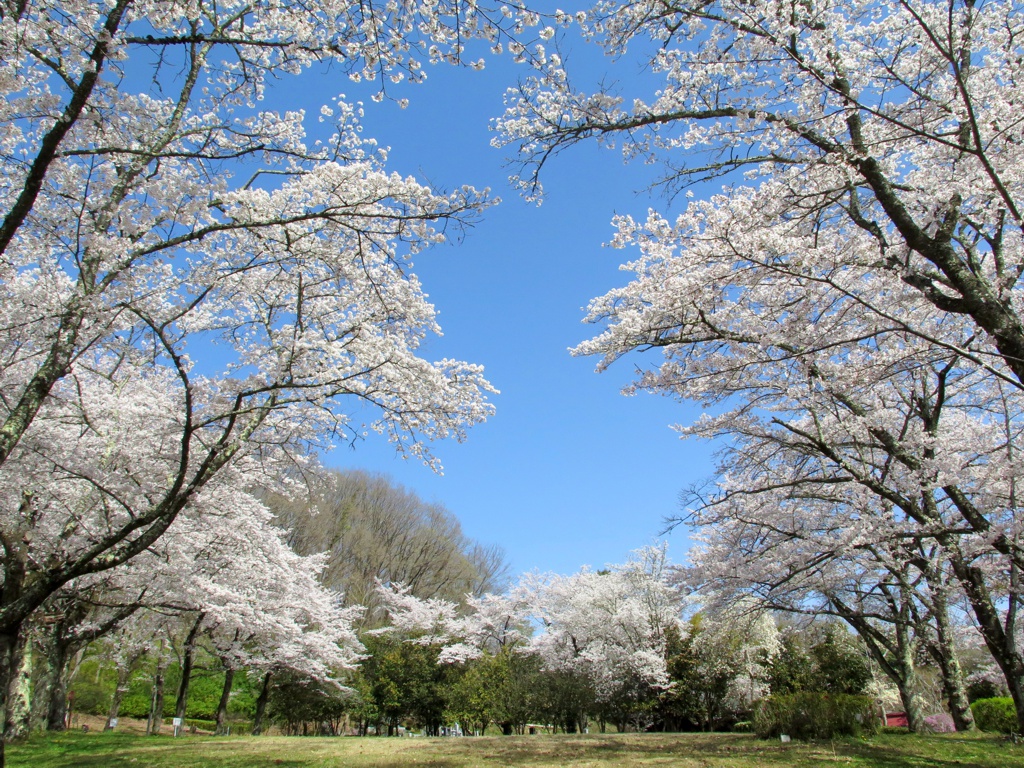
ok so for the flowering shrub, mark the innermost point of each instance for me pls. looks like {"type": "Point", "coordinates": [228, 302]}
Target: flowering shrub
{"type": "Point", "coordinates": [940, 723]}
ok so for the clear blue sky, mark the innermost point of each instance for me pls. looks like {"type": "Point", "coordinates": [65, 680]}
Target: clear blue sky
{"type": "Point", "coordinates": [568, 472]}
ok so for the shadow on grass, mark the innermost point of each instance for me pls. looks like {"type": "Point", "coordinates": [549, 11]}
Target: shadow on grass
{"type": "Point", "coordinates": [127, 750]}
{"type": "Point", "coordinates": [945, 753]}
{"type": "Point", "coordinates": [112, 750]}
{"type": "Point", "coordinates": [711, 750]}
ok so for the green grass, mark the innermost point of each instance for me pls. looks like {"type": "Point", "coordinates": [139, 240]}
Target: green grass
{"type": "Point", "coordinates": [126, 750]}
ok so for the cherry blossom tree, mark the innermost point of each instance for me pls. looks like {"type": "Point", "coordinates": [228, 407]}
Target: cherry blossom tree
{"type": "Point", "coordinates": [601, 633]}
{"type": "Point", "coordinates": [486, 624]}
{"type": "Point", "coordinates": [610, 625]}
{"type": "Point", "coordinates": [719, 662]}
{"type": "Point", "coordinates": [193, 291]}
{"type": "Point", "coordinates": [608, 628]}
{"type": "Point", "coordinates": [882, 135]}
{"type": "Point", "coordinates": [876, 595]}
{"type": "Point", "coordinates": [851, 297]}
{"type": "Point", "coordinates": [81, 612]}
{"type": "Point", "coordinates": [227, 579]}
{"type": "Point", "coordinates": [818, 519]}
{"type": "Point", "coordinates": [486, 643]}
{"type": "Point", "coordinates": [260, 606]}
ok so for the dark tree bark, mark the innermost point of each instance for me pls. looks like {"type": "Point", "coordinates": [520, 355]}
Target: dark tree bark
{"type": "Point", "coordinates": [67, 636]}
{"type": "Point", "coordinates": [261, 705]}
{"type": "Point", "coordinates": [57, 682]}
{"type": "Point", "coordinates": [181, 704]}
{"type": "Point", "coordinates": [225, 697]}
{"type": "Point", "coordinates": [9, 641]}
{"type": "Point", "coordinates": [1000, 642]}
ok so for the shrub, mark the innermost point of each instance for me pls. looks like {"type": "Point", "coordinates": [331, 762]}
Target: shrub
{"type": "Point", "coordinates": [815, 715]}
{"type": "Point", "coordinates": [985, 688]}
{"type": "Point", "coordinates": [941, 723]}
{"type": "Point", "coordinates": [996, 714]}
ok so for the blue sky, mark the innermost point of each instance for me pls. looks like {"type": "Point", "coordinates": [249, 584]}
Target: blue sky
{"type": "Point", "coordinates": [568, 472]}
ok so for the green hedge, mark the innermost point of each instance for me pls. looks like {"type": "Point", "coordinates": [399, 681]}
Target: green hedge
{"type": "Point", "coordinates": [815, 715]}
{"type": "Point", "coordinates": [996, 714]}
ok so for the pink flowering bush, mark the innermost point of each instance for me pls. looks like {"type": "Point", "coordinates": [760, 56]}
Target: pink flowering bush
{"type": "Point", "coordinates": [940, 723]}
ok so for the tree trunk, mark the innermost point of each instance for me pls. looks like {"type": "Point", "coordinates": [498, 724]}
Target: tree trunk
{"type": "Point", "coordinates": [944, 652]}
{"type": "Point", "coordinates": [225, 697]}
{"type": "Point", "coordinates": [52, 686]}
{"type": "Point", "coordinates": [49, 702]}
{"type": "Point", "coordinates": [15, 560]}
{"type": "Point", "coordinates": [57, 682]}
{"type": "Point", "coordinates": [907, 683]}
{"type": "Point", "coordinates": [124, 674]}
{"type": "Point", "coordinates": [19, 692]}
{"type": "Point", "coordinates": [156, 705]}
{"type": "Point", "coordinates": [1013, 671]}
{"type": "Point", "coordinates": [894, 653]}
{"type": "Point", "coordinates": [42, 690]}
{"type": "Point", "coordinates": [181, 704]}
{"type": "Point", "coordinates": [8, 663]}
{"type": "Point", "coordinates": [1001, 644]}
{"type": "Point", "coordinates": [66, 638]}
{"type": "Point", "coordinates": [261, 705]}
{"type": "Point", "coordinates": [911, 705]}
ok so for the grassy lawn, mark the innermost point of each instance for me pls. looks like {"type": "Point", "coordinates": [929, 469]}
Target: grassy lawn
{"type": "Point", "coordinates": [127, 750]}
